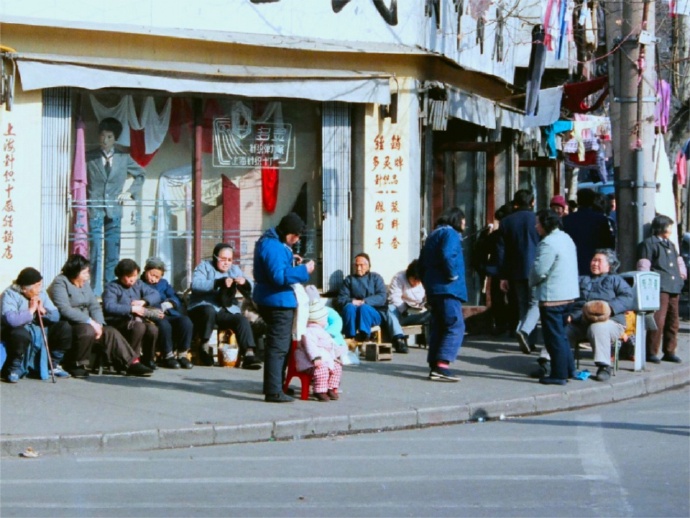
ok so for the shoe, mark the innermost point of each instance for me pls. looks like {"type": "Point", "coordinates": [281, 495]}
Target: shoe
{"type": "Point", "coordinates": [251, 363]}
{"type": "Point", "coordinates": [333, 394]}
{"type": "Point", "coordinates": [184, 362]}
{"type": "Point", "coordinates": [442, 374]}
{"type": "Point", "coordinates": [653, 358]}
{"type": "Point", "coordinates": [543, 371]}
{"type": "Point", "coordinates": [79, 372]}
{"type": "Point", "coordinates": [361, 337]}
{"type": "Point", "coordinates": [139, 369]}
{"type": "Point", "coordinates": [290, 391]}
{"type": "Point", "coordinates": [400, 344]}
{"type": "Point", "coordinates": [322, 397]}
{"type": "Point", "coordinates": [278, 398]}
{"type": "Point", "coordinates": [552, 381]}
{"type": "Point", "coordinates": [670, 358]}
{"type": "Point", "coordinates": [603, 373]}
{"type": "Point", "coordinates": [522, 342]}
{"type": "Point", "coordinates": [170, 363]}
{"type": "Point", "coordinates": [12, 377]}
{"type": "Point", "coordinates": [206, 356]}
{"type": "Point", "coordinates": [150, 364]}
{"type": "Point", "coordinates": [59, 372]}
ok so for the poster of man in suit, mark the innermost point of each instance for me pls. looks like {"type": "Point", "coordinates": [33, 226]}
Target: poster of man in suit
{"type": "Point", "coordinates": [107, 170]}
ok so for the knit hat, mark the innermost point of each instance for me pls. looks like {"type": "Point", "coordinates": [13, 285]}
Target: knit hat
{"type": "Point", "coordinates": [643, 265]}
{"type": "Point", "coordinates": [559, 200]}
{"type": "Point", "coordinates": [154, 263]}
{"type": "Point", "coordinates": [291, 224]}
{"type": "Point", "coordinates": [28, 277]}
{"type": "Point", "coordinates": [317, 311]}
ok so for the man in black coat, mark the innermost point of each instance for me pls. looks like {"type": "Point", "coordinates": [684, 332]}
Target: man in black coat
{"type": "Point", "coordinates": [516, 249]}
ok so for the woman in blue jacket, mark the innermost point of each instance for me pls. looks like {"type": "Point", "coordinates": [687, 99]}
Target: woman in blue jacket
{"type": "Point", "coordinates": [442, 270]}
{"type": "Point", "coordinates": [276, 269]}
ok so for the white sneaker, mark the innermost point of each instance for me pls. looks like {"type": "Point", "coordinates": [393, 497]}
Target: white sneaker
{"type": "Point", "coordinates": [59, 372]}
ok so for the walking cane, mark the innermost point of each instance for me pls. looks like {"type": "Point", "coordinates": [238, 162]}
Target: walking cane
{"type": "Point", "coordinates": [45, 341]}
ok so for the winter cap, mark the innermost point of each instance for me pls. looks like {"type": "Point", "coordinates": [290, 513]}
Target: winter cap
{"type": "Point", "coordinates": [643, 265]}
{"type": "Point", "coordinates": [291, 224]}
{"type": "Point", "coordinates": [559, 200]}
{"type": "Point", "coordinates": [317, 311]}
{"type": "Point", "coordinates": [28, 277]}
{"type": "Point", "coordinates": [154, 263]}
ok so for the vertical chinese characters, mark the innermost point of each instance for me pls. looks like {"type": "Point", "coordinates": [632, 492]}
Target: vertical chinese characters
{"type": "Point", "coordinates": [387, 166]}
{"type": "Point", "coordinates": [8, 149]}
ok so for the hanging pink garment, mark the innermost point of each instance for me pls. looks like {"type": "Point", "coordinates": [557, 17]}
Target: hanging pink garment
{"type": "Point", "coordinates": [80, 221]}
{"type": "Point", "coordinates": [662, 109]}
{"type": "Point", "coordinates": [681, 168]}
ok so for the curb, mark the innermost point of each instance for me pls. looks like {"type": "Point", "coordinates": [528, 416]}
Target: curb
{"type": "Point", "coordinates": [295, 429]}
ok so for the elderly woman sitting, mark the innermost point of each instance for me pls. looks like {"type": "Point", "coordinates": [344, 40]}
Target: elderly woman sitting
{"type": "Point", "coordinates": [599, 312]}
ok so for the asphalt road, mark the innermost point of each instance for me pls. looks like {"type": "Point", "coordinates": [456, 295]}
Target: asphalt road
{"type": "Point", "coordinates": [626, 459]}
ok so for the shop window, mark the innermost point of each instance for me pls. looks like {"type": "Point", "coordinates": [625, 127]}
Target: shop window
{"type": "Point", "coordinates": [255, 162]}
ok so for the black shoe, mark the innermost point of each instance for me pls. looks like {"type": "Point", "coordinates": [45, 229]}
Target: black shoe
{"type": "Point", "coordinates": [670, 358]}
{"type": "Point", "coordinates": [278, 398]}
{"type": "Point", "coordinates": [653, 358]}
{"type": "Point", "coordinates": [78, 372]}
{"type": "Point", "coordinates": [139, 369]}
{"type": "Point", "coordinates": [543, 371]}
{"type": "Point", "coordinates": [552, 381]}
{"type": "Point", "coordinates": [170, 363]}
{"type": "Point", "coordinates": [522, 339]}
{"type": "Point", "coordinates": [442, 374]}
{"type": "Point", "coordinates": [251, 362]}
{"type": "Point", "coordinates": [206, 358]}
{"type": "Point", "coordinates": [184, 362]}
{"type": "Point", "coordinates": [150, 364]}
{"type": "Point", "coordinates": [400, 344]}
{"type": "Point", "coordinates": [361, 337]}
{"type": "Point", "coordinates": [603, 373]}
{"type": "Point", "coordinates": [290, 391]}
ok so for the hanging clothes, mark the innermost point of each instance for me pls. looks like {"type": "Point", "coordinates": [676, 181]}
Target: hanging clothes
{"type": "Point", "coordinates": [124, 112]}
{"type": "Point", "coordinates": [550, 133]}
{"type": "Point", "coordinates": [80, 220]}
{"type": "Point", "coordinates": [181, 116]}
{"type": "Point", "coordinates": [535, 71]}
{"type": "Point", "coordinates": [575, 95]}
{"type": "Point", "coordinates": [662, 109]}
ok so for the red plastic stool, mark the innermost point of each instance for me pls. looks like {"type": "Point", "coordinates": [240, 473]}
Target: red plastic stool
{"type": "Point", "coordinates": [304, 377]}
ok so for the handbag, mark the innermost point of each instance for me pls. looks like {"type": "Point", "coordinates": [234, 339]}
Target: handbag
{"type": "Point", "coordinates": [596, 311]}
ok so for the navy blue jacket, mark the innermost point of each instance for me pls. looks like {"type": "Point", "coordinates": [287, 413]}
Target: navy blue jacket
{"type": "Point", "coordinates": [370, 288]}
{"type": "Point", "coordinates": [516, 246]}
{"type": "Point", "coordinates": [610, 288]}
{"type": "Point", "coordinates": [442, 265]}
{"type": "Point", "coordinates": [167, 294]}
{"type": "Point", "coordinates": [589, 230]}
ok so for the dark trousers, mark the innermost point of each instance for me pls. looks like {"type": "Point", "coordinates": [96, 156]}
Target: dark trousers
{"type": "Point", "coordinates": [278, 341]}
{"type": "Point", "coordinates": [666, 318]}
{"type": "Point", "coordinates": [115, 349]}
{"type": "Point", "coordinates": [142, 336]}
{"type": "Point", "coordinates": [447, 329]}
{"type": "Point", "coordinates": [554, 320]}
{"type": "Point", "coordinates": [18, 339]}
{"type": "Point", "coordinates": [174, 333]}
{"type": "Point", "coordinates": [205, 318]}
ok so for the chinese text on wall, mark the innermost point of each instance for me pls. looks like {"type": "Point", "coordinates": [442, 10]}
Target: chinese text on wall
{"type": "Point", "coordinates": [386, 168]}
{"type": "Point", "coordinates": [8, 149]}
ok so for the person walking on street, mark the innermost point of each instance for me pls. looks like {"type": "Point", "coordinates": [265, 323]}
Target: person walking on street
{"type": "Point", "coordinates": [276, 270]}
{"type": "Point", "coordinates": [442, 271]}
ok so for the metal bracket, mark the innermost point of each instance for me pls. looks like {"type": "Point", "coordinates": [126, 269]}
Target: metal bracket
{"type": "Point", "coordinates": [635, 100]}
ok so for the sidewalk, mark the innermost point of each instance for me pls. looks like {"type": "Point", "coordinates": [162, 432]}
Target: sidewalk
{"type": "Point", "coordinates": [214, 405]}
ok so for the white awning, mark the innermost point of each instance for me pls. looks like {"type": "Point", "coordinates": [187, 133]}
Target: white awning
{"type": "Point", "coordinates": [43, 71]}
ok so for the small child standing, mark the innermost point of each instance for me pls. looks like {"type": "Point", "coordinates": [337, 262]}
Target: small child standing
{"type": "Point", "coordinates": [319, 354]}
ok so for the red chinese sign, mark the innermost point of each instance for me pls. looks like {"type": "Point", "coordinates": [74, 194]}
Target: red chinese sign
{"type": "Point", "coordinates": [385, 170]}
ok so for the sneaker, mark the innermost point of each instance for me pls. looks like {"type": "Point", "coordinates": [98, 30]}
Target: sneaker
{"type": "Point", "coordinates": [139, 369]}
{"type": "Point", "coordinates": [170, 363]}
{"type": "Point", "coordinates": [278, 398]}
{"type": "Point", "coordinates": [670, 357]}
{"type": "Point", "coordinates": [442, 374]}
{"type": "Point", "coordinates": [79, 372]}
{"type": "Point", "coordinates": [184, 362]}
{"type": "Point", "coordinates": [523, 342]}
{"type": "Point", "coordinates": [603, 373]}
{"type": "Point", "coordinates": [333, 394]}
{"type": "Point", "coordinates": [59, 372]}
{"type": "Point", "coordinates": [12, 377]}
{"type": "Point", "coordinates": [251, 362]}
{"type": "Point", "coordinates": [322, 397]}
{"type": "Point", "coordinates": [653, 358]}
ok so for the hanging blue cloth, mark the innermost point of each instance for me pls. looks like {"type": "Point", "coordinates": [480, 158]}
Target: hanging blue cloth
{"type": "Point", "coordinates": [550, 133]}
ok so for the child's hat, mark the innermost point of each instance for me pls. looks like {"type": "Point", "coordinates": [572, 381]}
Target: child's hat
{"type": "Point", "coordinates": [317, 311]}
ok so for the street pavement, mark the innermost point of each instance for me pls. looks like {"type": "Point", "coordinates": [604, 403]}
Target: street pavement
{"type": "Point", "coordinates": [215, 405]}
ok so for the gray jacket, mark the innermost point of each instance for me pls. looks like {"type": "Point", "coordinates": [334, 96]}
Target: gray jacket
{"type": "Point", "coordinates": [76, 305]}
{"type": "Point", "coordinates": [103, 188]}
{"type": "Point", "coordinates": [554, 272]}
{"type": "Point", "coordinates": [15, 308]}
{"type": "Point", "coordinates": [205, 290]}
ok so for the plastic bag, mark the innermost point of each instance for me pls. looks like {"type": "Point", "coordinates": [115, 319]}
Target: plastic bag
{"type": "Point", "coordinates": [227, 355]}
{"type": "Point", "coordinates": [350, 358]}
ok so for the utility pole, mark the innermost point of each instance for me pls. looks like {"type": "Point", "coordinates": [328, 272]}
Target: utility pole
{"type": "Point", "coordinates": [635, 92]}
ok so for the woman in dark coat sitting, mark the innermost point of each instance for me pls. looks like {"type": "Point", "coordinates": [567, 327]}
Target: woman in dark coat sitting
{"type": "Point", "coordinates": [610, 296]}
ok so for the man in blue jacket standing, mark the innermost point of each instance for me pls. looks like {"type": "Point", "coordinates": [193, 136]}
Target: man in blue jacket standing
{"type": "Point", "coordinates": [442, 270]}
{"type": "Point", "coordinates": [276, 269]}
